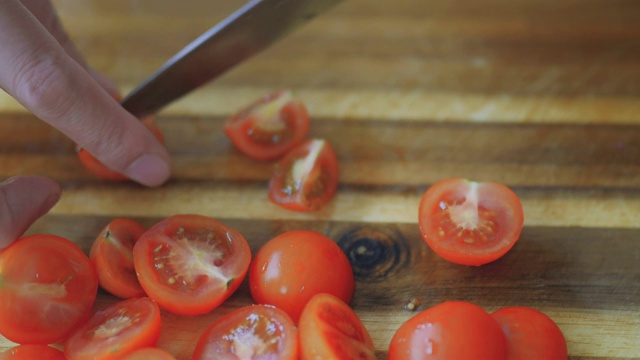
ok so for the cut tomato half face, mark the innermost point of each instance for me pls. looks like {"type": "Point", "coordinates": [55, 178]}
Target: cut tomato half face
{"type": "Point", "coordinates": [116, 331]}
{"type": "Point", "coordinates": [251, 332]}
{"type": "Point", "coordinates": [330, 329]}
{"type": "Point", "coordinates": [47, 289]}
{"type": "Point", "coordinates": [190, 264]}
{"type": "Point", "coordinates": [307, 178]}
{"type": "Point", "coordinates": [470, 223]}
{"type": "Point", "coordinates": [112, 255]}
{"type": "Point", "coordinates": [270, 127]}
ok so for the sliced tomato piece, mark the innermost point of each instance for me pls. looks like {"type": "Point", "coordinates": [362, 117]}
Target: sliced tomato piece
{"type": "Point", "coordinates": [47, 289]}
{"type": "Point", "coordinates": [112, 255]}
{"type": "Point", "coordinates": [116, 331]}
{"type": "Point", "coordinates": [307, 178]}
{"type": "Point", "coordinates": [150, 353]}
{"type": "Point", "coordinates": [470, 223]}
{"type": "Point", "coordinates": [190, 264]}
{"type": "Point", "coordinates": [330, 329]}
{"type": "Point", "coordinates": [450, 330]}
{"type": "Point", "coordinates": [251, 332]}
{"type": "Point", "coordinates": [531, 334]}
{"type": "Point", "coordinates": [96, 167]}
{"type": "Point", "coordinates": [269, 127]}
{"type": "Point", "coordinates": [32, 352]}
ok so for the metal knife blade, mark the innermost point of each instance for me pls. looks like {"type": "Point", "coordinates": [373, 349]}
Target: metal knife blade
{"type": "Point", "coordinates": [244, 33]}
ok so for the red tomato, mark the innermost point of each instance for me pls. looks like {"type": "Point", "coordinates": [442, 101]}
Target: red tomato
{"type": "Point", "coordinates": [116, 331]}
{"type": "Point", "coordinates": [330, 329]}
{"type": "Point", "coordinates": [191, 263]}
{"type": "Point", "coordinates": [251, 332]}
{"type": "Point", "coordinates": [112, 255]}
{"type": "Point", "coordinates": [47, 289]}
{"type": "Point", "coordinates": [150, 353]}
{"type": "Point", "coordinates": [451, 330]}
{"type": "Point", "coordinates": [531, 334]}
{"type": "Point", "coordinates": [32, 352]}
{"type": "Point", "coordinates": [96, 167]}
{"type": "Point", "coordinates": [306, 178]}
{"type": "Point", "coordinates": [470, 223]}
{"type": "Point", "coordinates": [293, 267]}
{"type": "Point", "coordinates": [270, 127]}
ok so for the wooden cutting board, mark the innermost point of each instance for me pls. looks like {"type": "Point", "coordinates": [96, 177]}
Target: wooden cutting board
{"type": "Point", "coordinates": [539, 95]}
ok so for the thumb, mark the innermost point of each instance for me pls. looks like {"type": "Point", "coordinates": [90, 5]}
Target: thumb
{"type": "Point", "coordinates": [23, 200]}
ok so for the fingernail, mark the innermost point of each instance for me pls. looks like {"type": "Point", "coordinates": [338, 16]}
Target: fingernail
{"type": "Point", "coordinates": [149, 170]}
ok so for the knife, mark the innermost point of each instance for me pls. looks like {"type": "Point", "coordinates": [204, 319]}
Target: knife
{"type": "Point", "coordinates": [244, 33]}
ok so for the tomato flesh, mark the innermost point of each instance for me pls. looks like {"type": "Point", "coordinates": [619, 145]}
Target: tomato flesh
{"type": "Point", "coordinates": [450, 330]}
{"type": "Point", "coordinates": [47, 289]}
{"type": "Point", "coordinates": [150, 353]}
{"type": "Point", "coordinates": [470, 223]}
{"type": "Point", "coordinates": [252, 332]}
{"type": "Point", "coordinates": [330, 329]}
{"type": "Point", "coordinates": [32, 352]}
{"type": "Point", "coordinates": [306, 178]}
{"type": "Point", "coordinates": [269, 127]}
{"type": "Point", "coordinates": [116, 331]}
{"type": "Point", "coordinates": [531, 334]}
{"type": "Point", "coordinates": [191, 263]}
{"type": "Point", "coordinates": [112, 255]}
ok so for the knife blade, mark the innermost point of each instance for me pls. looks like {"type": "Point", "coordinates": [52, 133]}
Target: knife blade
{"type": "Point", "coordinates": [244, 33]}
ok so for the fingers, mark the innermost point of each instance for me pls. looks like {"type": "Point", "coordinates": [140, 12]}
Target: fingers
{"type": "Point", "coordinates": [23, 200]}
{"type": "Point", "coordinates": [38, 72]}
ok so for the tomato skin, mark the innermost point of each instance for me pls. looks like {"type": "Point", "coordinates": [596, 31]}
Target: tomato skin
{"type": "Point", "coordinates": [330, 329]}
{"type": "Point", "coordinates": [470, 223]}
{"type": "Point", "coordinates": [190, 264]}
{"type": "Point", "coordinates": [264, 332]}
{"type": "Point", "coordinates": [32, 352]}
{"type": "Point", "coordinates": [116, 331]}
{"type": "Point", "coordinates": [450, 330]}
{"type": "Point", "coordinates": [112, 256]}
{"type": "Point", "coordinates": [306, 178]}
{"type": "Point", "coordinates": [150, 353]}
{"type": "Point", "coordinates": [47, 289]}
{"type": "Point", "coordinates": [270, 127]}
{"type": "Point", "coordinates": [531, 334]}
{"type": "Point", "coordinates": [291, 268]}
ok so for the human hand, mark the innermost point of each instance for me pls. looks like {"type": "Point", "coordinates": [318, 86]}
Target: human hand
{"type": "Point", "coordinates": [40, 68]}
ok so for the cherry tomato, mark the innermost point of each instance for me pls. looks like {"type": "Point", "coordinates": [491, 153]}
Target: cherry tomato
{"type": "Point", "coordinates": [96, 167]}
{"type": "Point", "coordinates": [116, 331]}
{"type": "Point", "coordinates": [293, 267]}
{"type": "Point", "coordinates": [47, 289]}
{"type": "Point", "coordinates": [306, 178]}
{"type": "Point", "coordinates": [150, 353]}
{"type": "Point", "coordinates": [330, 329]}
{"type": "Point", "coordinates": [112, 255]}
{"type": "Point", "coordinates": [190, 264]}
{"type": "Point", "coordinates": [531, 334]}
{"type": "Point", "coordinates": [470, 223]}
{"type": "Point", "coordinates": [251, 332]}
{"type": "Point", "coordinates": [270, 127]}
{"type": "Point", "coordinates": [450, 330]}
{"type": "Point", "coordinates": [32, 352]}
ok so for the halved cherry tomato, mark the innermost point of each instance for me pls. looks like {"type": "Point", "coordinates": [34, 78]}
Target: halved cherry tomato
{"type": "Point", "coordinates": [251, 332]}
{"type": "Point", "coordinates": [306, 178]}
{"type": "Point", "coordinates": [190, 264]}
{"type": "Point", "coordinates": [330, 329]}
{"type": "Point", "coordinates": [270, 127]}
{"type": "Point", "coordinates": [112, 255]}
{"type": "Point", "coordinates": [531, 334]}
{"type": "Point", "coordinates": [291, 268]}
{"type": "Point", "coordinates": [150, 353]}
{"type": "Point", "coordinates": [450, 330]}
{"type": "Point", "coordinates": [32, 352]}
{"type": "Point", "coordinates": [116, 331]}
{"type": "Point", "coordinates": [47, 289]}
{"type": "Point", "coordinates": [96, 167]}
{"type": "Point", "coordinates": [470, 223]}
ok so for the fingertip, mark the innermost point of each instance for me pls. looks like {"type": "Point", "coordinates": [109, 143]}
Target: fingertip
{"type": "Point", "coordinates": [149, 170]}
